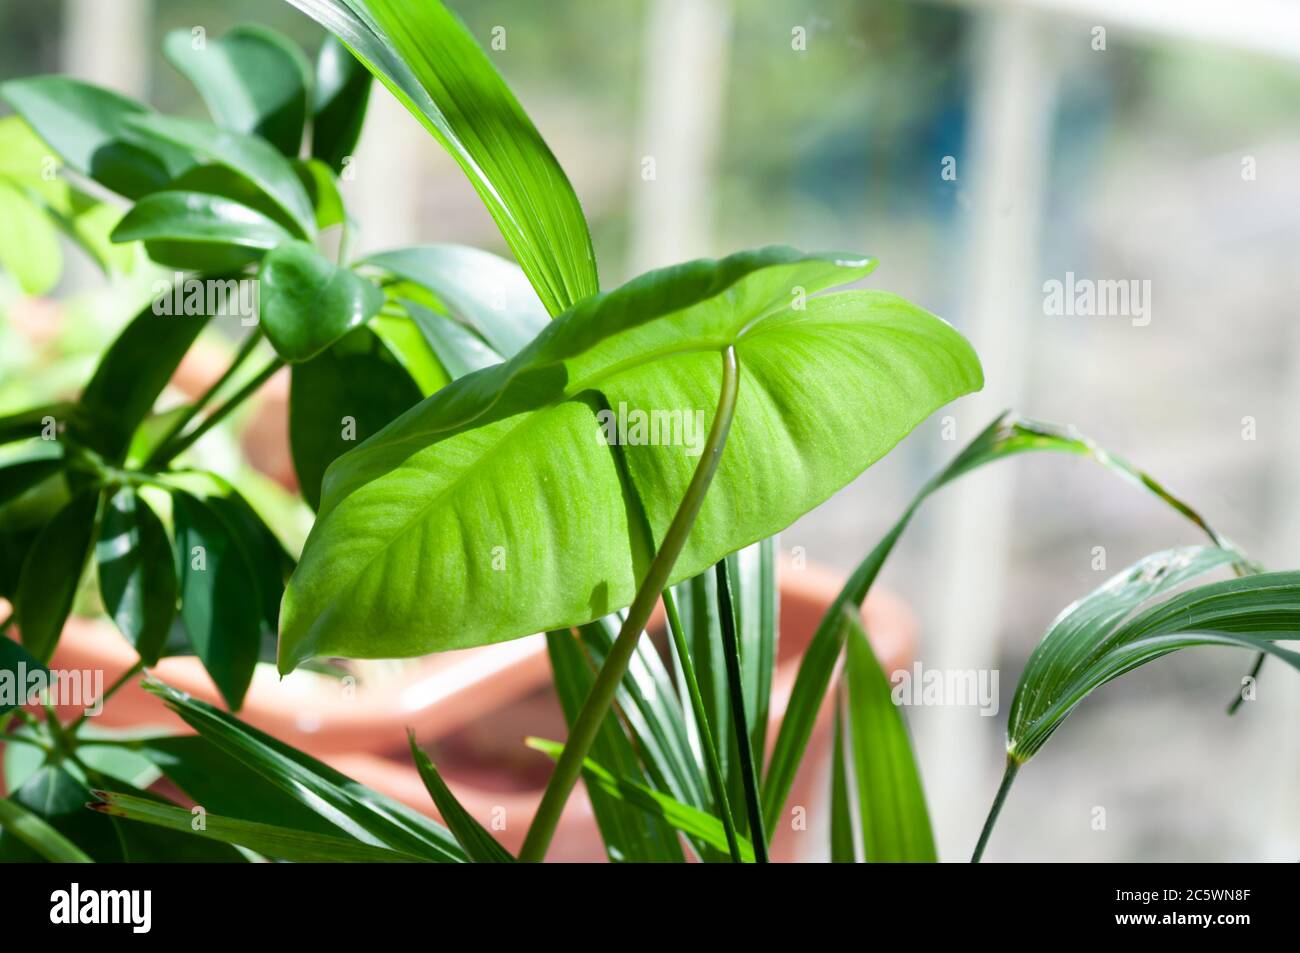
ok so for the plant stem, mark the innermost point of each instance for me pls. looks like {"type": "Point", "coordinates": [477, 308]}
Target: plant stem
{"type": "Point", "coordinates": [1007, 777]}
{"type": "Point", "coordinates": [176, 447]}
{"type": "Point", "coordinates": [711, 762]}
{"type": "Point", "coordinates": [736, 691]}
{"type": "Point", "coordinates": [587, 724]}
{"type": "Point", "coordinates": [121, 680]}
{"type": "Point", "coordinates": [245, 349]}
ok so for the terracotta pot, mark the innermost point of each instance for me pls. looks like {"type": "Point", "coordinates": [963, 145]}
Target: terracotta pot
{"type": "Point", "coordinates": [473, 708]}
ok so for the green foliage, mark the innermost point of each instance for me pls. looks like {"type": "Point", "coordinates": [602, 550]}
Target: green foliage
{"type": "Point", "coordinates": [440, 421]}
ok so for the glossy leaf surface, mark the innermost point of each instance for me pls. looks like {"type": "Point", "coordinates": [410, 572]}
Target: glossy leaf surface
{"type": "Point", "coordinates": [431, 63]}
{"type": "Point", "coordinates": [137, 575]}
{"type": "Point", "coordinates": [308, 302]}
{"type": "Point", "coordinates": [252, 80]}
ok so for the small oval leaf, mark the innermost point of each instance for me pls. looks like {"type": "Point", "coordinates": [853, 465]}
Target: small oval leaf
{"type": "Point", "coordinates": [308, 302]}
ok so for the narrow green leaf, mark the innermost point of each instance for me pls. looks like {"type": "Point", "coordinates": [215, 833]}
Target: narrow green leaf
{"type": "Point", "coordinates": [38, 835]}
{"type": "Point", "coordinates": [308, 302]}
{"type": "Point", "coordinates": [220, 604]}
{"type": "Point", "coordinates": [361, 813]}
{"type": "Point", "coordinates": [137, 574]}
{"type": "Point", "coordinates": [629, 835]}
{"type": "Point", "coordinates": [340, 398]}
{"type": "Point", "coordinates": [252, 80]}
{"type": "Point", "coordinates": [1099, 638]}
{"type": "Point", "coordinates": [479, 845]}
{"type": "Point", "coordinates": [1009, 434]}
{"type": "Point", "coordinates": [745, 763]}
{"type": "Point", "coordinates": [690, 821]}
{"type": "Point", "coordinates": [486, 292]}
{"type": "Point", "coordinates": [431, 63]}
{"type": "Point", "coordinates": [341, 94]}
{"type": "Point", "coordinates": [90, 128]}
{"type": "Point", "coordinates": [278, 842]}
{"type": "Point", "coordinates": [250, 156]}
{"type": "Point", "coordinates": [842, 849]}
{"type": "Point", "coordinates": [223, 785]}
{"type": "Point", "coordinates": [895, 824]}
{"type": "Point", "coordinates": [130, 376]}
{"type": "Point", "coordinates": [488, 460]}
{"type": "Point", "coordinates": [51, 573]}
{"type": "Point", "coordinates": [653, 714]}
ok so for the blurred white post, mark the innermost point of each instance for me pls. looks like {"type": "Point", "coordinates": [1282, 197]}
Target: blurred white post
{"type": "Point", "coordinates": [384, 178]}
{"type": "Point", "coordinates": [110, 43]}
{"type": "Point", "coordinates": [1006, 172]}
{"type": "Point", "coordinates": [685, 55]}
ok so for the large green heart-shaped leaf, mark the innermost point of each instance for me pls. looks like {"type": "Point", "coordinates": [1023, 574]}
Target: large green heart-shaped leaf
{"type": "Point", "coordinates": [90, 128]}
{"type": "Point", "coordinates": [495, 508]}
{"type": "Point", "coordinates": [252, 80]}
{"type": "Point", "coordinates": [308, 302]}
{"type": "Point", "coordinates": [431, 63]}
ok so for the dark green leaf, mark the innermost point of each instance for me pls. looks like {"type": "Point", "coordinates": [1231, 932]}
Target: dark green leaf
{"type": "Point", "coordinates": [479, 845]}
{"type": "Point", "coordinates": [278, 842]}
{"type": "Point", "coordinates": [252, 80]}
{"type": "Point", "coordinates": [220, 602]}
{"type": "Point", "coordinates": [250, 156]}
{"type": "Point", "coordinates": [340, 398]}
{"type": "Point", "coordinates": [22, 470]}
{"type": "Point", "coordinates": [308, 303]}
{"type": "Point", "coordinates": [51, 573]}
{"type": "Point", "coordinates": [137, 574]}
{"type": "Point", "coordinates": [194, 231]}
{"type": "Point", "coordinates": [358, 811]}
{"type": "Point", "coordinates": [17, 664]}
{"type": "Point", "coordinates": [219, 782]}
{"type": "Point", "coordinates": [339, 103]}
{"type": "Point", "coordinates": [90, 129]}
{"type": "Point", "coordinates": [130, 376]}
{"type": "Point", "coordinates": [59, 799]}
{"type": "Point", "coordinates": [430, 62]}
{"type": "Point", "coordinates": [34, 832]}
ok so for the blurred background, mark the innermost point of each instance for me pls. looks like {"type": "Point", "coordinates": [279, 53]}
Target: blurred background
{"type": "Point", "coordinates": [979, 149]}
